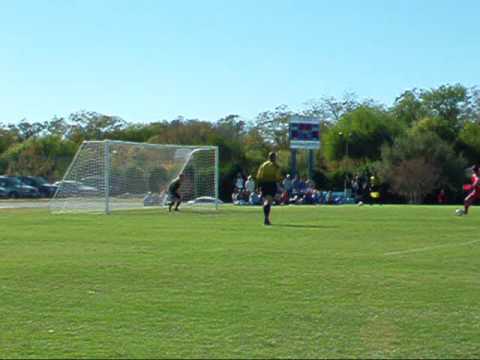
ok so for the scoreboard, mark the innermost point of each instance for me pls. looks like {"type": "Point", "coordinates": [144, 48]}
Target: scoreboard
{"type": "Point", "coordinates": [304, 132]}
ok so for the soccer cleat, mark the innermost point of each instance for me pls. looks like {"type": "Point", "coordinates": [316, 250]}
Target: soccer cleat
{"type": "Point", "coordinates": [267, 222]}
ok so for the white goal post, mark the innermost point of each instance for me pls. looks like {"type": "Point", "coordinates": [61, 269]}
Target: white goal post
{"type": "Point", "coordinates": [106, 176]}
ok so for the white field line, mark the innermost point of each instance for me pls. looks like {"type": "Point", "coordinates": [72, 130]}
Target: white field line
{"type": "Point", "coordinates": [430, 248]}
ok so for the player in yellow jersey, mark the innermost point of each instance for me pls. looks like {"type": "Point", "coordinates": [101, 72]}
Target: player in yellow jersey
{"type": "Point", "coordinates": [267, 177]}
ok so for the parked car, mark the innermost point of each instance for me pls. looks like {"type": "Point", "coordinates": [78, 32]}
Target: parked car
{"type": "Point", "coordinates": [15, 189]}
{"type": "Point", "coordinates": [75, 188]}
{"type": "Point", "coordinates": [45, 189]}
{"type": "Point", "coordinates": [97, 181]}
{"type": "Point", "coordinates": [3, 193]}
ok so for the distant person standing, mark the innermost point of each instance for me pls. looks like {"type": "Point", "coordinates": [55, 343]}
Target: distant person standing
{"type": "Point", "coordinates": [329, 199]}
{"type": "Point", "coordinates": [267, 177]}
{"type": "Point", "coordinates": [250, 185]}
{"type": "Point", "coordinates": [296, 184]}
{"type": "Point", "coordinates": [355, 184]}
{"type": "Point", "coordinates": [374, 190]}
{"type": "Point", "coordinates": [441, 197]}
{"type": "Point", "coordinates": [288, 185]}
{"type": "Point", "coordinates": [173, 195]}
{"type": "Point", "coordinates": [239, 183]}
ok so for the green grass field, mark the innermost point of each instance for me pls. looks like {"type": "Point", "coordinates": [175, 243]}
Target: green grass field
{"type": "Point", "coordinates": [386, 282]}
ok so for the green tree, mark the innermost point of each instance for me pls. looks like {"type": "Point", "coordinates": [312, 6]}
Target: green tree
{"type": "Point", "coordinates": [331, 109]}
{"type": "Point", "coordinates": [448, 102]}
{"type": "Point", "coordinates": [469, 142]}
{"type": "Point", "coordinates": [411, 151]}
{"type": "Point", "coordinates": [90, 125]}
{"type": "Point", "coordinates": [24, 130]}
{"type": "Point", "coordinates": [408, 107]}
{"type": "Point", "coordinates": [47, 156]}
{"type": "Point", "coordinates": [256, 149]}
{"type": "Point", "coordinates": [58, 126]}
{"type": "Point", "coordinates": [182, 132]}
{"type": "Point", "coordinates": [360, 134]}
{"type": "Point", "coordinates": [273, 126]}
{"type": "Point", "coordinates": [7, 138]}
{"type": "Point", "coordinates": [437, 125]}
{"type": "Point", "coordinates": [414, 178]}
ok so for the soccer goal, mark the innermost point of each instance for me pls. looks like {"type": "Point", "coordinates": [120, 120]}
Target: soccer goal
{"type": "Point", "coordinates": [106, 176]}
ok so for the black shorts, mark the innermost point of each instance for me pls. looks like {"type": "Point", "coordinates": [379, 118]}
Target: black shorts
{"type": "Point", "coordinates": [268, 189]}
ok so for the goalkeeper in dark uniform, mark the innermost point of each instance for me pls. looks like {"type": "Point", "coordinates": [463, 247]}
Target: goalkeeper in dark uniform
{"type": "Point", "coordinates": [173, 196]}
{"type": "Point", "coordinates": [267, 177]}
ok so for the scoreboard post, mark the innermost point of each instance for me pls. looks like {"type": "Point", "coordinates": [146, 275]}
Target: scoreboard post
{"type": "Point", "coordinates": [304, 133]}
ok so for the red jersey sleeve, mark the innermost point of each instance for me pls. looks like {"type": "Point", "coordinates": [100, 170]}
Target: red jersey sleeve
{"type": "Point", "coordinates": [476, 182]}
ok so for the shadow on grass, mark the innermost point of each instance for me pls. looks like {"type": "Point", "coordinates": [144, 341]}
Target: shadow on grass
{"type": "Point", "coordinates": [304, 226]}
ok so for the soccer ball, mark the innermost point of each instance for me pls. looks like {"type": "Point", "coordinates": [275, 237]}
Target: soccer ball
{"type": "Point", "coordinates": [360, 203]}
{"type": "Point", "coordinates": [459, 212]}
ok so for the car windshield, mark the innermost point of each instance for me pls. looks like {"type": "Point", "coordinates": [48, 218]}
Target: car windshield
{"type": "Point", "coordinates": [39, 180]}
{"type": "Point", "coordinates": [10, 181]}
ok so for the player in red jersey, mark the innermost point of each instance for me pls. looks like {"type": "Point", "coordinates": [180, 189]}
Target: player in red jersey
{"type": "Point", "coordinates": [474, 187]}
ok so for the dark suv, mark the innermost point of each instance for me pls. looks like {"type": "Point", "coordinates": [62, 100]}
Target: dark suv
{"type": "Point", "coordinates": [12, 187]}
{"type": "Point", "coordinates": [45, 189]}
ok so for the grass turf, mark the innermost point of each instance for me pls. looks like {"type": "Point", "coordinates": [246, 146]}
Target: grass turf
{"type": "Point", "coordinates": [386, 282]}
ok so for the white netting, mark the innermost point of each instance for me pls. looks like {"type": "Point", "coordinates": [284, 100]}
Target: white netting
{"type": "Point", "coordinates": [106, 176]}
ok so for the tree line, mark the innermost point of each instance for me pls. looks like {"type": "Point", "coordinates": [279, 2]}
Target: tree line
{"type": "Point", "coordinates": [422, 143]}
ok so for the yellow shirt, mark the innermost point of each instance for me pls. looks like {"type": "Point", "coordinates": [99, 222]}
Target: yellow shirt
{"type": "Point", "coordinates": [269, 172]}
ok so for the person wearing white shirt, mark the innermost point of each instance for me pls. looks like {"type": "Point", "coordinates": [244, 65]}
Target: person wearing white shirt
{"type": "Point", "coordinates": [250, 184]}
{"type": "Point", "coordinates": [288, 184]}
{"type": "Point", "coordinates": [239, 182]}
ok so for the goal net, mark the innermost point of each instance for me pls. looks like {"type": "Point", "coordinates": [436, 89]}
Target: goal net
{"type": "Point", "coordinates": [106, 176]}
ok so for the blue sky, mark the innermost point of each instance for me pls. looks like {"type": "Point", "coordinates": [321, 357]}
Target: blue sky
{"type": "Point", "coordinates": [147, 60]}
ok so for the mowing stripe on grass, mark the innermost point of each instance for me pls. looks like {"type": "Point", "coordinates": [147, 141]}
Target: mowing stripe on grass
{"type": "Point", "coordinates": [430, 248]}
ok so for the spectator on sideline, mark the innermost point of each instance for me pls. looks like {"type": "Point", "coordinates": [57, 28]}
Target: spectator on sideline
{"type": "Point", "coordinates": [250, 185]}
{"type": "Point", "coordinates": [239, 183]}
{"type": "Point", "coordinates": [374, 191]}
{"type": "Point", "coordinates": [363, 190]}
{"type": "Point", "coordinates": [442, 197]}
{"type": "Point", "coordinates": [297, 198]}
{"type": "Point", "coordinates": [284, 198]}
{"type": "Point", "coordinates": [288, 185]}
{"type": "Point", "coordinates": [235, 195]}
{"type": "Point", "coordinates": [240, 197]}
{"type": "Point", "coordinates": [279, 196]}
{"type": "Point", "coordinates": [255, 198]}
{"type": "Point", "coordinates": [302, 186]}
{"type": "Point", "coordinates": [243, 197]}
{"type": "Point", "coordinates": [309, 184]}
{"type": "Point", "coordinates": [295, 183]}
{"type": "Point", "coordinates": [330, 199]}
{"type": "Point", "coordinates": [355, 185]}
{"type": "Point", "coordinates": [310, 195]}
